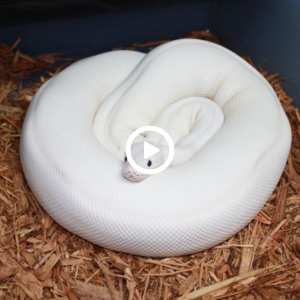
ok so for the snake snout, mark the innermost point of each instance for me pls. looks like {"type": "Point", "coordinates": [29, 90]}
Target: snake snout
{"type": "Point", "coordinates": [133, 176]}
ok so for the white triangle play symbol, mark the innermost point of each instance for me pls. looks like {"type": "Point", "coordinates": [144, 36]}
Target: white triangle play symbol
{"type": "Point", "coordinates": [149, 150]}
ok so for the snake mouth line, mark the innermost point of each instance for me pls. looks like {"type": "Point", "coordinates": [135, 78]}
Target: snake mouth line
{"type": "Point", "coordinates": [132, 178]}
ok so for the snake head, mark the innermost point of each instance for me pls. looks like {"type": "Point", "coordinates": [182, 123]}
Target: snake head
{"type": "Point", "coordinates": [137, 153]}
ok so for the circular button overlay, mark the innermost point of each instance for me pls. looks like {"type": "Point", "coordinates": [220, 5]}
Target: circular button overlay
{"type": "Point", "coordinates": [166, 163]}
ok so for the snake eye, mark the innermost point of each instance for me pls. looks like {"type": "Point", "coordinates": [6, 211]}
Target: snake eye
{"type": "Point", "coordinates": [149, 163]}
{"type": "Point", "coordinates": [125, 158]}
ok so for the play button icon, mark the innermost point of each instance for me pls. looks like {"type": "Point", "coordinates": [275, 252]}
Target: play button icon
{"type": "Point", "coordinates": [149, 150]}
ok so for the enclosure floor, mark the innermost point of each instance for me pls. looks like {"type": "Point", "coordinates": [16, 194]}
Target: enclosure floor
{"type": "Point", "coordinates": [40, 259]}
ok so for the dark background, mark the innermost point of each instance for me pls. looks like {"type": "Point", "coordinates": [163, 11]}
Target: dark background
{"type": "Point", "coordinates": [267, 30]}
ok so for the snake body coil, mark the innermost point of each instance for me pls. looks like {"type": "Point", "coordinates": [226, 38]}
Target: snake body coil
{"type": "Point", "coordinates": [75, 132]}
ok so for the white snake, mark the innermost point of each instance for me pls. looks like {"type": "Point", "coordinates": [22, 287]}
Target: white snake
{"type": "Point", "coordinates": [75, 132]}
